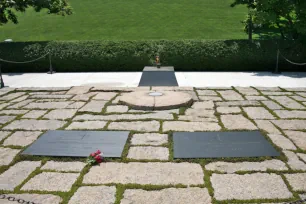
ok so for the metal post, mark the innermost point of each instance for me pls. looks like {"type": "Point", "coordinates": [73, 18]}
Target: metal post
{"type": "Point", "coordinates": [1, 79]}
{"type": "Point", "coordinates": [50, 65]}
{"type": "Point", "coordinates": [276, 71]}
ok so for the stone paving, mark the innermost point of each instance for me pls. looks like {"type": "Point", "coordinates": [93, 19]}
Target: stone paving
{"type": "Point", "coordinates": [147, 172]}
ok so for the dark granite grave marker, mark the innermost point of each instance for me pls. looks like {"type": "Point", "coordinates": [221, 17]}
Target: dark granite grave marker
{"type": "Point", "coordinates": [153, 76]}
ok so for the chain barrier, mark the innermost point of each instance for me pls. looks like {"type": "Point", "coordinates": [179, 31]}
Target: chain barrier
{"type": "Point", "coordinates": [294, 63]}
{"type": "Point", "coordinates": [276, 71]}
{"type": "Point", "coordinates": [13, 199]}
{"type": "Point", "coordinates": [24, 62]}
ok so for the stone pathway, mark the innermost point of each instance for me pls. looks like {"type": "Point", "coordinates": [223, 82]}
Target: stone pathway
{"type": "Point", "coordinates": [147, 172]}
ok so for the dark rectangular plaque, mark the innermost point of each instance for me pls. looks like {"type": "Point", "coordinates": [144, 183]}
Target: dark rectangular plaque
{"type": "Point", "coordinates": [221, 144]}
{"type": "Point", "coordinates": [153, 76]}
{"type": "Point", "coordinates": [78, 143]}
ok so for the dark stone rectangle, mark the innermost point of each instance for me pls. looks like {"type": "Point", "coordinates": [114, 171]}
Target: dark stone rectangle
{"type": "Point", "coordinates": [221, 144]}
{"type": "Point", "coordinates": [158, 77]}
{"type": "Point", "coordinates": [78, 143]}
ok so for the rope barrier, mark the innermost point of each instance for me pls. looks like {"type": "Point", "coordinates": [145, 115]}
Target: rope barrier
{"type": "Point", "coordinates": [14, 62]}
{"type": "Point", "coordinates": [295, 63]}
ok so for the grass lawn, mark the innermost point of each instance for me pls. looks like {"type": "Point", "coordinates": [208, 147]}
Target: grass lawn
{"type": "Point", "coordinates": [132, 20]}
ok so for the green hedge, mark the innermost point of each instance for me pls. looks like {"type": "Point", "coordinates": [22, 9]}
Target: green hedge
{"type": "Point", "coordinates": [184, 55]}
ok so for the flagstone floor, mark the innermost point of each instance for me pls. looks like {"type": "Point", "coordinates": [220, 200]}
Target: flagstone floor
{"type": "Point", "coordinates": [147, 172]}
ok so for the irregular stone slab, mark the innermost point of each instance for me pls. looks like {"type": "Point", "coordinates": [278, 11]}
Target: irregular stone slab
{"type": "Point", "coordinates": [94, 195]}
{"type": "Point", "coordinates": [296, 89]}
{"type": "Point", "coordinates": [256, 98]}
{"type": "Point", "coordinates": [239, 103]}
{"type": "Point", "coordinates": [161, 116]}
{"type": "Point", "coordinates": [51, 181]}
{"type": "Point", "coordinates": [87, 125]}
{"type": "Point", "coordinates": [3, 105]}
{"type": "Point", "coordinates": [167, 196]}
{"type": "Point", "coordinates": [13, 112]}
{"type": "Point", "coordinates": [84, 97]}
{"type": "Point", "coordinates": [267, 126]}
{"type": "Point", "coordinates": [105, 96]}
{"type": "Point", "coordinates": [64, 166]}
{"type": "Point", "coordinates": [249, 186]}
{"type": "Point", "coordinates": [299, 138]}
{"type": "Point", "coordinates": [203, 105]}
{"type": "Point", "coordinates": [51, 96]}
{"type": "Point", "coordinates": [299, 98]}
{"type": "Point", "coordinates": [215, 88]}
{"type": "Point", "coordinates": [34, 114]}
{"type": "Point", "coordinates": [294, 162]}
{"type": "Point", "coordinates": [143, 126]}
{"type": "Point", "coordinates": [190, 126]}
{"type": "Point", "coordinates": [210, 98]}
{"type": "Point", "coordinates": [45, 100]}
{"type": "Point", "coordinates": [200, 112]}
{"type": "Point", "coordinates": [11, 96]}
{"type": "Point", "coordinates": [34, 198]}
{"type": "Point", "coordinates": [44, 89]}
{"type": "Point", "coordinates": [290, 124]}
{"type": "Point", "coordinates": [272, 105]}
{"type": "Point", "coordinates": [93, 106]}
{"type": "Point", "coordinates": [117, 109]}
{"type": "Point", "coordinates": [4, 134]}
{"type": "Point", "coordinates": [21, 104]}
{"type": "Point", "coordinates": [207, 93]}
{"type": "Point", "coordinates": [287, 102]}
{"type": "Point", "coordinates": [5, 119]}
{"type": "Point", "coordinates": [248, 91]}
{"type": "Point", "coordinates": [7, 155]}
{"type": "Point", "coordinates": [291, 114]}
{"type": "Point", "coordinates": [276, 93]}
{"type": "Point", "coordinates": [79, 90]}
{"type": "Point", "coordinates": [61, 114]}
{"type": "Point", "coordinates": [268, 88]}
{"type": "Point", "coordinates": [22, 138]}
{"type": "Point", "coordinates": [149, 153]}
{"type": "Point", "coordinates": [48, 105]}
{"type": "Point", "coordinates": [145, 173]}
{"type": "Point", "coordinates": [149, 139]}
{"type": "Point", "coordinates": [258, 113]}
{"type": "Point", "coordinates": [297, 181]}
{"type": "Point", "coordinates": [35, 125]}
{"type": "Point", "coordinates": [231, 95]}
{"type": "Point", "coordinates": [302, 156]}
{"type": "Point", "coordinates": [301, 94]}
{"type": "Point", "coordinates": [76, 105]}
{"type": "Point", "coordinates": [237, 122]}
{"type": "Point", "coordinates": [194, 118]}
{"type": "Point", "coordinates": [228, 167]}
{"type": "Point", "coordinates": [16, 174]}
{"type": "Point", "coordinates": [282, 141]}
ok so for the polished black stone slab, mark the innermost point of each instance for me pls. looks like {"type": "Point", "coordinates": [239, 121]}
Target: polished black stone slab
{"type": "Point", "coordinates": [221, 145]}
{"type": "Point", "coordinates": [153, 76]}
{"type": "Point", "coordinates": [78, 143]}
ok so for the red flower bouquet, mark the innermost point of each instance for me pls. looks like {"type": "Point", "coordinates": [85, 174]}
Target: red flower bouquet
{"type": "Point", "coordinates": [95, 158]}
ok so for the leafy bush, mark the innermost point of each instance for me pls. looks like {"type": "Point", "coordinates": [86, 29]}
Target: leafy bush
{"type": "Point", "coordinates": [184, 55]}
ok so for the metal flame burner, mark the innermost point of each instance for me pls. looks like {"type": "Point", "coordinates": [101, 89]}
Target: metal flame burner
{"type": "Point", "coordinates": [155, 94]}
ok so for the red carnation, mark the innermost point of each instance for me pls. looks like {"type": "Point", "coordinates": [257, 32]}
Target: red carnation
{"type": "Point", "coordinates": [93, 154]}
{"type": "Point", "coordinates": [98, 152]}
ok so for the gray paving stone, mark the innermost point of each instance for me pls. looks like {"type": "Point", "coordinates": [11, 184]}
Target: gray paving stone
{"type": "Point", "coordinates": [294, 162]}
{"type": "Point", "coordinates": [299, 98]}
{"type": "Point", "coordinates": [105, 96]}
{"type": "Point", "coordinates": [302, 156]}
{"type": "Point", "coordinates": [51, 96]}
{"type": "Point", "coordinates": [76, 105]}
{"type": "Point", "coordinates": [295, 89]}
{"type": "Point", "coordinates": [238, 103]}
{"type": "Point", "coordinates": [143, 126]}
{"type": "Point", "coordinates": [268, 88]}
{"type": "Point", "coordinates": [291, 114]}
{"type": "Point", "coordinates": [13, 112]}
{"type": "Point", "coordinates": [117, 109]}
{"type": "Point", "coordinates": [172, 88]}
{"type": "Point", "coordinates": [79, 90]}
{"type": "Point", "coordinates": [228, 167]}
{"type": "Point", "coordinates": [64, 166]}
{"type": "Point", "coordinates": [22, 138]}
{"type": "Point", "coordinates": [94, 195]}
{"type": "Point", "coordinates": [149, 139]}
{"type": "Point", "coordinates": [290, 124]}
{"type": "Point", "coordinates": [282, 141]}
{"type": "Point", "coordinates": [44, 89]}
{"type": "Point", "coordinates": [272, 105]}
{"type": "Point", "coordinates": [207, 93]}
{"type": "Point", "coordinates": [5, 119]}
{"type": "Point", "coordinates": [149, 153]}
{"type": "Point", "coordinates": [267, 126]}
{"type": "Point", "coordinates": [214, 88]}
{"type": "Point", "coordinates": [256, 98]}
{"type": "Point", "coordinates": [87, 125]}
{"type": "Point", "coordinates": [61, 114]}
{"type": "Point", "coordinates": [7, 155]}
{"type": "Point", "coordinates": [194, 118]}
{"type": "Point", "coordinates": [3, 105]}
{"type": "Point", "coordinates": [258, 113]}
{"type": "Point", "coordinates": [16, 174]}
{"type": "Point", "coordinates": [299, 138]}
{"type": "Point", "coordinates": [21, 104]}
{"type": "Point", "coordinates": [34, 114]}
{"type": "Point", "coordinates": [249, 186]}
{"type": "Point", "coordinates": [297, 181]}
{"type": "Point", "coordinates": [46, 100]}
{"type": "Point", "coordinates": [287, 102]}
{"type": "Point", "coordinates": [200, 112]}
{"type": "Point", "coordinates": [167, 196]}
{"type": "Point", "coordinates": [210, 98]}
{"type": "Point", "coordinates": [34, 198]}
{"type": "Point", "coordinates": [35, 125]}
{"type": "Point", "coordinates": [83, 97]}
{"type": "Point", "coordinates": [276, 93]}
{"type": "Point", "coordinates": [51, 181]}
{"type": "Point", "coordinates": [203, 105]}
{"type": "Point", "coordinates": [93, 106]}
{"type": "Point", "coordinates": [237, 122]}
{"type": "Point", "coordinates": [4, 134]}
{"type": "Point", "coordinates": [231, 95]}
{"type": "Point", "coordinates": [155, 173]}
{"type": "Point", "coordinates": [11, 96]}
{"type": "Point", "coordinates": [22, 98]}
{"type": "Point", "coordinates": [190, 126]}
{"type": "Point", "coordinates": [301, 94]}
{"type": "Point", "coordinates": [227, 110]}
{"type": "Point", "coordinates": [303, 196]}
{"type": "Point", "coordinates": [48, 105]}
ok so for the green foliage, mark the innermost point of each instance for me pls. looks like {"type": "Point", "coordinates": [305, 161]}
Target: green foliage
{"type": "Point", "coordinates": [184, 55]}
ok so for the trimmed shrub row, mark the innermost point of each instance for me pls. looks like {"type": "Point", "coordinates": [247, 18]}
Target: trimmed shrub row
{"type": "Point", "coordinates": [184, 55]}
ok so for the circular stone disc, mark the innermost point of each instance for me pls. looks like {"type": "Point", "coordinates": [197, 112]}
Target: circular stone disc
{"type": "Point", "coordinates": [141, 100]}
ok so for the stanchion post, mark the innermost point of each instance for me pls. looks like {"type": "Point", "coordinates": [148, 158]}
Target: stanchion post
{"type": "Point", "coordinates": [1, 79]}
{"type": "Point", "coordinates": [276, 71]}
{"type": "Point", "coordinates": [50, 65]}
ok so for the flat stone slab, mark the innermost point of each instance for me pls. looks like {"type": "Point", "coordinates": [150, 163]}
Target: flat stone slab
{"type": "Point", "coordinates": [61, 114]}
{"type": "Point", "coordinates": [79, 90]}
{"type": "Point", "coordinates": [190, 126]}
{"type": "Point", "coordinates": [145, 173]}
{"type": "Point", "coordinates": [290, 124]}
{"type": "Point", "coordinates": [221, 145]}
{"type": "Point", "coordinates": [142, 126]}
{"type": "Point", "coordinates": [87, 125]}
{"type": "Point", "coordinates": [93, 106]}
{"type": "Point", "coordinates": [4, 134]}
{"type": "Point", "coordinates": [258, 113]}
{"type": "Point", "coordinates": [227, 167]}
{"type": "Point", "coordinates": [267, 126]}
{"type": "Point", "coordinates": [256, 98]}
{"type": "Point", "coordinates": [302, 156]}
{"type": "Point", "coordinates": [83, 97]}
{"type": "Point", "coordinates": [11, 96]}
{"type": "Point", "coordinates": [16, 174]}
{"type": "Point", "coordinates": [210, 98]}
{"type": "Point", "coordinates": [94, 195]}
{"type": "Point", "coordinates": [117, 109]}
{"type": "Point", "coordinates": [231, 95]}
{"type": "Point", "coordinates": [294, 162]}
{"type": "Point", "coordinates": [5, 119]}
{"type": "Point", "coordinates": [34, 114]}
{"type": "Point", "coordinates": [48, 105]}
{"type": "Point", "coordinates": [13, 112]}
{"type": "Point", "coordinates": [291, 114]}
{"type": "Point", "coordinates": [149, 139]}
{"type": "Point", "coordinates": [22, 138]}
{"type": "Point", "coordinates": [51, 96]}
{"type": "Point", "coordinates": [51, 181]}
{"type": "Point", "coordinates": [297, 181]}
{"type": "Point", "coordinates": [237, 122]}
{"type": "Point", "coordinates": [7, 155]}
{"type": "Point", "coordinates": [34, 198]}
{"type": "Point", "coordinates": [207, 93]}
{"type": "Point", "coordinates": [249, 186]}
{"type": "Point", "coordinates": [35, 125]}
{"type": "Point", "coordinates": [167, 196]}
{"type": "Point", "coordinates": [282, 141]}
{"type": "Point", "coordinates": [239, 103]}
{"type": "Point", "coordinates": [203, 105]}
{"type": "Point", "coordinates": [272, 105]}
{"type": "Point", "coordinates": [105, 96]}
{"type": "Point", "coordinates": [64, 166]}
{"type": "Point", "coordinates": [78, 143]}
{"type": "Point", "coordinates": [288, 102]}
{"type": "Point", "coordinates": [227, 110]}
{"type": "Point", "coordinates": [148, 153]}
